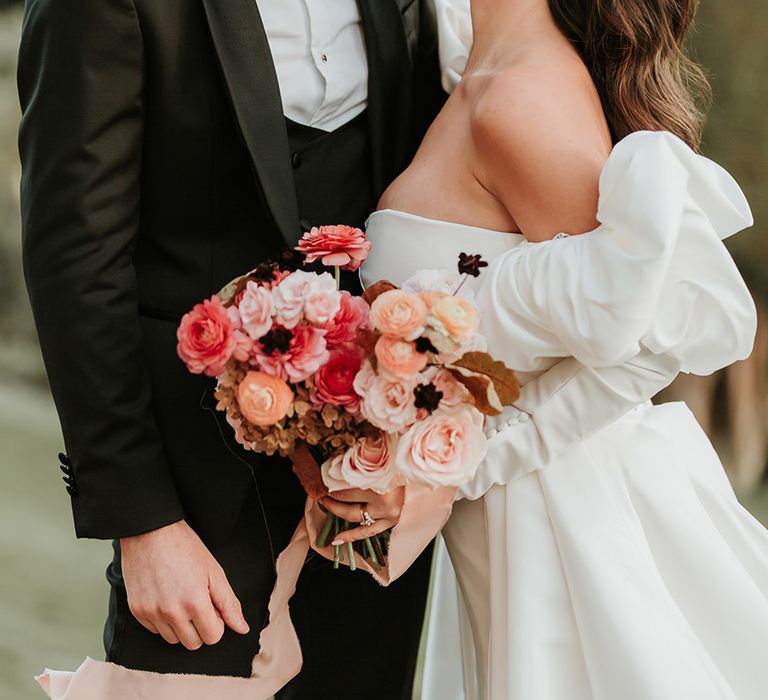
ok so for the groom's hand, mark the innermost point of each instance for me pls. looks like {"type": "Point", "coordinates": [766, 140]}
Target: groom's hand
{"type": "Point", "coordinates": [177, 589]}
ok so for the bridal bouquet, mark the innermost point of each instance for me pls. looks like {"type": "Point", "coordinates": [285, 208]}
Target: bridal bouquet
{"type": "Point", "coordinates": [371, 392]}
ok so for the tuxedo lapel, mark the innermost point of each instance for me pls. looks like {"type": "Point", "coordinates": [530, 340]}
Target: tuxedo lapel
{"type": "Point", "coordinates": [246, 62]}
{"type": "Point", "coordinates": [389, 88]}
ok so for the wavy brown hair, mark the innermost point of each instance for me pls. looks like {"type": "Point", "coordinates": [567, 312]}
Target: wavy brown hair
{"type": "Point", "coordinates": [635, 52]}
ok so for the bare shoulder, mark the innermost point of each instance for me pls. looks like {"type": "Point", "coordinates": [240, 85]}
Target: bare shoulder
{"type": "Point", "coordinates": [541, 140]}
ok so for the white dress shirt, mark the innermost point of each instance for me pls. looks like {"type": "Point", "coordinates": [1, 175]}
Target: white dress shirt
{"type": "Point", "coordinates": [319, 52]}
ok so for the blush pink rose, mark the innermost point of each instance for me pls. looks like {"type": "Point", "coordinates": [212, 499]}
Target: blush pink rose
{"type": "Point", "coordinates": [263, 399]}
{"type": "Point", "coordinates": [352, 315]}
{"type": "Point", "coordinates": [399, 313]}
{"type": "Point", "coordinates": [289, 297]}
{"type": "Point", "coordinates": [364, 378]}
{"type": "Point", "coordinates": [453, 391]}
{"type": "Point", "coordinates": [306, 353]}
{"type": "Point", "coordinates": [389, 403]}
{"type": "Point", "coordinates": [368, 464]}
{"type": "Point", "coordinates": [334, 381]}
{"type": "Point", "coordinates": [256, 309]}
{"type": "Point", "coordinates": [444, 449]}
{"type": "Point", "coordinates": [339, 246]}
{"type": "Point", "coordinates": [399, 357]}
{"type": "Point", "coordinates": [206, 338]}
{"type": "Point", "coordinates": [322, 301]}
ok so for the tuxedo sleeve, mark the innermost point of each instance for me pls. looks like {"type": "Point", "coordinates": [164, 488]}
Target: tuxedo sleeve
{"type": "Point", "coordinates": [80, 81]}
{"type": "Point", "coordinates": [562, 408]}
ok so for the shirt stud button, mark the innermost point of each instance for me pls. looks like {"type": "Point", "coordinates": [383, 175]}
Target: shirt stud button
{"type": "Point", "coordinates": [324, 57]}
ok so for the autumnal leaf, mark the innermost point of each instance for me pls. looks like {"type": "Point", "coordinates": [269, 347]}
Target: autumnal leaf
{"type": "Point", "coordinates": [366, 340]}
{"type": "Point", "coordinates": [481, 387]}
{"type": "Point", "coordinates": [305, 467]}
{"type": "Point", "coordinates": [377, 288]}
{"type": "Point", "coordinates": [232, 289]}
{"type": "Point", "coordinates": [491, 383]}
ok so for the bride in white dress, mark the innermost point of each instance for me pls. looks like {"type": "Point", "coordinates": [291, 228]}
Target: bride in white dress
{"type": "Point", "coordinates": [601, 553]}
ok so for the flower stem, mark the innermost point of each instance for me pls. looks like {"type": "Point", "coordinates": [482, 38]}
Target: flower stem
{"type": "Point", "coordinates": [337, 273]}
{"type": "Point", "coordinates": [461, 284]}
{"type": "Point", "coordinates": [322, 538]}
{"type": "Point", "coordinates": [372, 553]}
{"type": "Point", "coordinates": [351, 557]}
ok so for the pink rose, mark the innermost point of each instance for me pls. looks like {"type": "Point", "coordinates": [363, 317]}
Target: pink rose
{"type": "Point", "coordinates": [289, 297]}
{"type": "Point", "coordinates": [206, 338]}
{"type": "Point", "coordinates": [334, 381]}
{"type": "Point", "coordinates": [368, 464]}
{"type": "Point", "coordinates": [399, 313]}
{"type": "Point", "coordinates": [453, 391]}
{"type": "Point", "coordinates": [389, 403]}
{"type": "Point", "coordinates": [304, 353]}
{"type": "Point", "coordinates": [263, 399]}
{"type": "Point", "coordinates": [364, 378]}
{"type": "Point", "coordinates": [352, 315]}
{"type": "Point", "coordinates": [443, 281]}
{"type": "Point", "coordinates": [399, 357]}
{"type": "Point", "coordinates": [256, 308]}
{"type": "Point", "coordinates": [323, 300]}
{"type": "Point", "coordinates": [340, 246]}
{"type": "Point", "coordinates": [444, 449]}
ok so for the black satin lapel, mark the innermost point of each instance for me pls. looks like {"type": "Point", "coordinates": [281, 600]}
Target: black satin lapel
{"type": "Point", "coordinates": [249, 72]}
{"type": "Point", "coordinates": [389, 88]}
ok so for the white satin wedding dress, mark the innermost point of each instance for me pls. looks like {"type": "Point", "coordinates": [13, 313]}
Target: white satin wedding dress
{"type": "Point", "coordinates": [623, 568]}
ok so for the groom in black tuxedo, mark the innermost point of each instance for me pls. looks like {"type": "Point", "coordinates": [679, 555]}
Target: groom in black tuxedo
{"type": "Point", "coordinates": [160, 160]}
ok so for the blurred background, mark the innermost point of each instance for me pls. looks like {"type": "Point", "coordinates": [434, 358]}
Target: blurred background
{"type": "Point", "coordinates": [53, 594]}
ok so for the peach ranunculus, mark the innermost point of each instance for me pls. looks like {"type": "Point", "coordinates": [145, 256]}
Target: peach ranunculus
{"type": "Point", "coordinates": [334, 381]}
{"type": "Point", "coordinates": [399, 313]}
{"type": "Point", "coordinates": [263, 399]}
{"type": "Point", "coordinates": [458, 317]}
{"type": "Point", "coordinates": [206, 337]}
{"type": "Point", "coordinates": [337, 246]}
{"type": "Point", "coordinates": [256, 309]}
{"type": "Point", "coordinates": [399, 357]}
{"type": "Point", "coordinates": [389, 403]}
{"type": "Point", "coordinates": [444, 449]}
{"type": "Point", "coordinates": [368, 464]}
{"type": "Point", "coordinates": [352, 315]}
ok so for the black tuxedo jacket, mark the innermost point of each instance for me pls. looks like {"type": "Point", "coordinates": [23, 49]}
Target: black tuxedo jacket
{"type": "Point", "coordinates": [156, 167]}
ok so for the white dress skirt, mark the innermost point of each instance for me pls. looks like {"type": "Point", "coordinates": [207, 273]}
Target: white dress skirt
{"type": "Point", "coordinates": [625, 568]}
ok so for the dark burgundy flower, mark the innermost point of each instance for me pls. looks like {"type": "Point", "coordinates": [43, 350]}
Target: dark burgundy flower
{"type": "Point", "coordinates": [277, 340]}
{"type": "Point", "coordinates": [424, 344]}
{"type": "Point", "coordinates": [427, 397]}
{"type": "Point", "coordinates": [471, 264]}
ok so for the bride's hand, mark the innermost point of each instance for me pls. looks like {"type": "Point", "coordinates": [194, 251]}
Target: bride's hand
{"type": "Point", "coordinates": [350, 505]}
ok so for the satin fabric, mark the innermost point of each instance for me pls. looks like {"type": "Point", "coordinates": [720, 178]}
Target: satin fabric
{"type": "Point", "coordinates": [624, 567]}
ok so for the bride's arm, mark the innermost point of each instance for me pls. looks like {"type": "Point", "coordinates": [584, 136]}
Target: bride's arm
{"type": "Point", "coordinates": [653, 273]}
{"type": "Point", "coordinates": [563, 407]}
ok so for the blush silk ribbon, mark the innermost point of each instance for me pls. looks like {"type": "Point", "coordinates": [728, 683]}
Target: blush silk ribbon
{"type": "Point", "coordinates": [279, 660]}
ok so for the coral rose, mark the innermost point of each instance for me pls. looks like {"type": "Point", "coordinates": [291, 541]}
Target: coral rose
{"type": "Point", "coordinates": [399, 313]}
{"type": "Point", "coordinates": [256, 308]}
{"type": "Point", "coordinates": [263, 399]}
{"type": "Point", "coordinates": [390, 403]}
{"type": "Point", "coordinates": [206, 338]}
{"type": "Point", "coordinates": [340, 246]}
{"type": "Point", "coordinates": [368, 464]}
{"type": "Point", "coordinates": [444, 449]}
{"type": "Point", "coordinates": [352, 315]}
{"type": "Point", "coordinates": [399, 357]}
{"type": "Point", "coordinates": [334, 381]}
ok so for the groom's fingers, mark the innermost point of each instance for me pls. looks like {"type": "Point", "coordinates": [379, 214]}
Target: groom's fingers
{"type": "Point", "coordinates": [209, 624]}
{"type": "Point", "coordinates": [166, 632]}
{"type": "Point", "coordinates": [187, 634]}
{"type": "Point", "coordinates": [226, 602]}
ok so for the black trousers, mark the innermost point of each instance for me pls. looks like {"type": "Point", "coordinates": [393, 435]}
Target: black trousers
{"type": "Point", "coordinates": [332, 611]}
